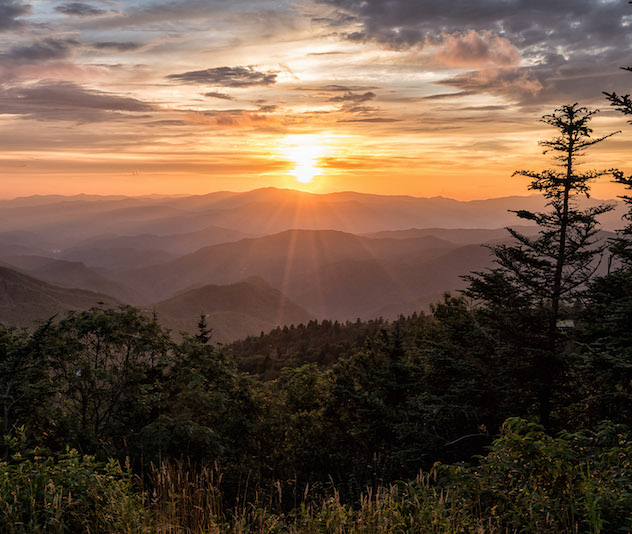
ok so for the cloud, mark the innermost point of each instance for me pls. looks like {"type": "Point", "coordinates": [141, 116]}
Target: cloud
{"type": "Point", "coordinates": [371, 119]}
{"type": "Point", "coordinates": [67, 101]}
{"type": "Point", "coordinates": [10, 11]}
{"type": "Point", "coordinates": [544, 45]}
{"type": "Point", "coordinates": [353, 97]}
{"type": "Point", "coordinates": [476, 49]}
{"type": "Point", "coordinates": [444, 96]}
{"type": "Point", "coordinates": [221, 96]}
{"type": "Point", "coordinates": [44, 50]}
{"type": "Point", "coordinates": [267, 108]}
{"type": "Point", "coordinates": [227, 77]}
{"type": "Point", "coordinates": [519, 84]}
{"type": "Point", "coordinates": [338, 88]}
{"type": "Point", "coordinates": [266, 17]}
{"type": "Point", "coordinates": [79, 9]}
{"type": "Point", "coordinates": [399, 23]}
{"type": "Point", "coordinates": [332, 53]}
{"type": "Point", "coordinates": [125, 46]}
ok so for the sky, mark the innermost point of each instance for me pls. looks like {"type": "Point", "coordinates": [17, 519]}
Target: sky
{"type": "Point", "coordinates": [417, 97]}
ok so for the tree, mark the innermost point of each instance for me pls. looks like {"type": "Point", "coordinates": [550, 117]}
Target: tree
{"type": "Point", "coordinates": [622, 103]}
{"type": "Point", "coordinates": [603, 368]}
{"type": "Point", "coordinates": [550, 269]}
{"type": "Point", "coordinates": [105, 365]}
{"type": "Point", "coordinates": [25, 385]}
{"type": "Point", "coordinates": [204, 332]}
{"type": "Point", "coordinates": [622, 244]}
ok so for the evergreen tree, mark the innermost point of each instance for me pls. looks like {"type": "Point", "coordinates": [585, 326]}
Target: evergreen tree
{"type": "Point", "coordinates": [204, 332]}
{"type": "Point", "coordinates": [550, 269]}
{"type": "Point", "coordinates": [622, 244]}
{"type": "Point", "coordinates": [623, 103]}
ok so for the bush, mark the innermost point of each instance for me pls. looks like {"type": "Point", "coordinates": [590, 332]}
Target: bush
{"type": "Point", "coordinates": [532, 482]}
{"type": "Point", "coordinates": [71, 493]}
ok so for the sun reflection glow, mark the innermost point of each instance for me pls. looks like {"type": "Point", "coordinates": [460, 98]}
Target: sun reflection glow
{"type": "Point", "coordinates": [305, 151]}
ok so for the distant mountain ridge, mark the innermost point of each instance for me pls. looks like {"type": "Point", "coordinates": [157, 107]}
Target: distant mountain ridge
{"type": "Point", "coordinates": [336, 256]}
{"type": "Point", "coordinates": [25, 300]}
{"type": "Point", "coordinates": [258, 212]}
{"type": "Point", "coordinates": [233, 311]}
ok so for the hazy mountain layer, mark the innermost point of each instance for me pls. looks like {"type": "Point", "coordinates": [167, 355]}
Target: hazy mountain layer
{"type": "Point", "coordinates": [24, 299]}
{"type": "Point", "coordinates": [65, 222]}
{"type": "Point", "coordinates": [71, 274]}
{"type": "Point", "coordinates": [339, 256]}
{"type": "Point", "coordinates": [288, 261]}
{"type": "Point", "coordinates": [232, 311]}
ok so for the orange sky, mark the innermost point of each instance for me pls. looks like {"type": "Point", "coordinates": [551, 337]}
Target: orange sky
{"type": "Point", "coordinates": [398, 97]}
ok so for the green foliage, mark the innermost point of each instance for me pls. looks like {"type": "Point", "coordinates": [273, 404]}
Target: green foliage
{"type": "Point", "coordinates": [68, 494]}
{"type": "Point", "coordinates": [550, 270]}
{"type": "Point", "coordinates": [600, 378]}
{"type": "Point", "coordinates": [25, 384]}
{"type": "Point", "coordinates": [532, 482]}
{"type": "Point", "coordinates": [193, 397]}
{"type": "Point", "coordinates": [621, 245]}
{"type": "Point", "coordinates": [321, 343]}
{"type": "Point", "coordinates": [528, 482]}
{"type": "Point", "coordinates": [104, 365]}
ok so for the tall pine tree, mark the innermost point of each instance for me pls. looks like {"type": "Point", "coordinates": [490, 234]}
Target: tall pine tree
{"type": "Point", "coordinates": [549, 269]}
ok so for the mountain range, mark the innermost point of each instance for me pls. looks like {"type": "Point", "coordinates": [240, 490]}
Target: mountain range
{"type": "Point", "coordinates": [249, 261]}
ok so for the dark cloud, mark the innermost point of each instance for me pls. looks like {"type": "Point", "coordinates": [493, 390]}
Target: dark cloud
{"type": "Point", "coordinates": [10, 11]}
{"type": "Point", "coordinates": [337, 20]}
{"type": "Point", "coordinates": [526, 22]}
{"type": "Point", "coordinates": [332, 88]}
{"type": "Point", "coordinates": [221, 96]}
{"type": "Point", "coordinates": [338, 88]}
{"type": "Point", "coordinates": [353, 97]}
{"type": "Point", "coordinates": [66, 101]}
{"type": "Point", "coordinates": [175, 15]}
{"type": "Point", "coordinates": [227, 77]}
{"type": "Point", "coordinates": [126, 46]}
{"type": "Point", "coordinates": [44, 50]}
{"type": "Point", "coordinates": [79, 9]}
{"type": "Point", "coordinates": [267, 108]}
{"type": "Point", "coordinates": [443, 96]}
{"type": "Point", "coordinates": [498, 38]}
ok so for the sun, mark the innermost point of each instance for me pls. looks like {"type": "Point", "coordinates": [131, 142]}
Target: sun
{"type": "Point", "coordinates": [306, 152]}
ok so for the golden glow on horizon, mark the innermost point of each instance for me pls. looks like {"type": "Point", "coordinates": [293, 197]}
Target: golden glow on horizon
{"type": "Point", "coordinates": [305, 151]}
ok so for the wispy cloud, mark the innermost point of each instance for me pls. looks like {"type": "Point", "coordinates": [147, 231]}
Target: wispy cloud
{"type": "Point", "coordinates": [45, 50]}
{"type": "Point", "coordinates": [227, 77]}
{"type": "Point", "coordinates": [350, 96]}
{"type": "Point", "coordinates": [118, 46]}
{"type": "Point", "coordinates": [68, 102]}
{"type": "Point", "coordinates": [79, 9]}
{"type": "Point", "coordinates": [216, 94]}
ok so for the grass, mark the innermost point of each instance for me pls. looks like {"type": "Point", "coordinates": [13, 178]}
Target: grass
{"type": "Point", "coordinates": [529, 482]}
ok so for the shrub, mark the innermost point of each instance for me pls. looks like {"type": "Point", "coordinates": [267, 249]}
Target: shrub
{"type": "Point", "coordinates": [70, 493]}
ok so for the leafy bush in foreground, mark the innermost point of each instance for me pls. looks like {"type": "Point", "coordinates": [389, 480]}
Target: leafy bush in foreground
{"type": "Point", "coordinates": [71, 493]}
